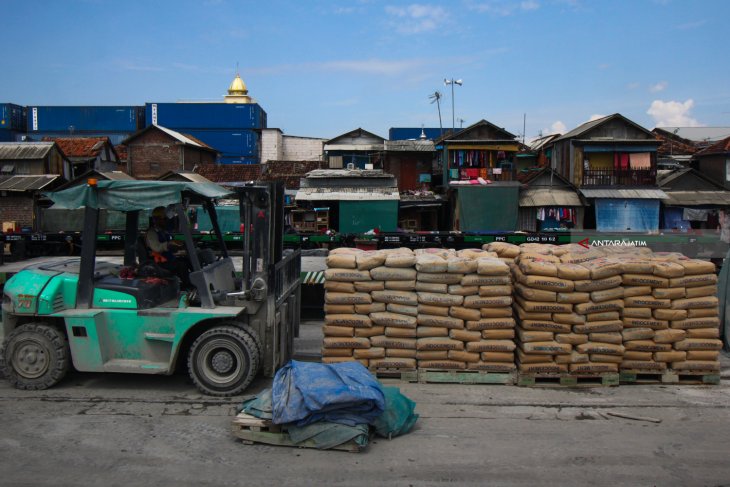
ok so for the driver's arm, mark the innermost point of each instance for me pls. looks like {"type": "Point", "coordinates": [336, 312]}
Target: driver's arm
{"type": "Point", "coordinates": [153, 242]}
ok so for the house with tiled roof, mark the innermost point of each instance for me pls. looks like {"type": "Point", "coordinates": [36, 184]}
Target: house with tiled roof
{"type": "Point", "coordinates": [230, 174]}
{"type": "Point", "coordinates": [88, 153]}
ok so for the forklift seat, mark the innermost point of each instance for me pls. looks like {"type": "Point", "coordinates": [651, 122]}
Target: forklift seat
{"type": "Point", "coordinates": [147, 294]}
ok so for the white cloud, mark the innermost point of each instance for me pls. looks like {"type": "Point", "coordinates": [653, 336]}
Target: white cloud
{"type": "Point", "coordinates": [557, 128]}
{"type": "Point", "coordinates": [416, 18]}
{"type": "Point", "coordinates": [595, 116]}
{"type": "Point", "coordinates": [529, 5]}
{"type": "Point", "coordinates": [661, 86]}
{"type": "Point", "coordinates": [504, 8]}
{"type": "Point", "coordinates": [673, 113]}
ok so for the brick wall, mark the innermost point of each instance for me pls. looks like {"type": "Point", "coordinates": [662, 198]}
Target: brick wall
{"type": "Point", "coordinates": [302, 149]}
{"type": "Point", "coordinates": [271, 145]}
{"type": "Point", "coordinates": [18, 209]}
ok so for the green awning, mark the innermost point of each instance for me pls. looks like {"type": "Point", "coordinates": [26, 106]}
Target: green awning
{"type": "Point", "coordinates": [134, 195]}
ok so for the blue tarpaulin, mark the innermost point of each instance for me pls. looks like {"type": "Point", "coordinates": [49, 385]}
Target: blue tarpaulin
{"type": "Point", "coordinates": [344, 393]}
{"type": "Point", "coordinates": [627, 215]}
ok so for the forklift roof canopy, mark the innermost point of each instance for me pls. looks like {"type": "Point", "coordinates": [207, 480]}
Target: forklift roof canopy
{"type": "Point", "coordinates": [134, 195]}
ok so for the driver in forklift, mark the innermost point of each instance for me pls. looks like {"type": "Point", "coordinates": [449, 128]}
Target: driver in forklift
{"type": "Point", "coordinates": [162, 247]}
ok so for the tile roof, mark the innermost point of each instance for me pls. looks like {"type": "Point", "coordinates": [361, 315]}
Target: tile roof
{"type": "Point", "coordinates": [86, 147]}
{"type": "Point", "coordinates": [122, 153]}
{"type": "Point", "coordinates": [289, 172]}
{"type": "Point", "coordinates": [719, 147]}
{"type": "Point", "coordinates": [230, 173]}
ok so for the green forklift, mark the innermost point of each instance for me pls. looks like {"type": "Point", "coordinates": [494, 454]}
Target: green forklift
{"type": "Point", "coordinates": [135, 318]}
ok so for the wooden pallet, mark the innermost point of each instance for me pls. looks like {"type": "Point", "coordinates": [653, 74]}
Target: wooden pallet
{"type": "Point", "coordinates": [606, 379]}
{"type": "Point", "coordinates": [406, 375]}
{"type": "Point", "coordinates": [252, 430]}
{"type": "Point", "coordinates": [440, 376]}
{"type": "Point", "coordinates": [669, 377]}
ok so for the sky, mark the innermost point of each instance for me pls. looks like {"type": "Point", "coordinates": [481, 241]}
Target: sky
{"type": "Point", "coordinates": [321, 68]}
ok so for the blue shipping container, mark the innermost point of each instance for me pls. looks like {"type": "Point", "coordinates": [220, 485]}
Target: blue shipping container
{"type": "Point", "coordinates": [115, 138]}
{"type": "Point", "coordinates": [84, 119]}
{"type": "Point", "coordinates": [12, 117]}
{"type": "Point", "coordinates": [411, 133]}
{"type": "Point", "coordinates": [6, 136]}
{"type": "Point", "coordinates": [206, 115]}
{"type": "Point", "coordinates": [228, 142]}
{"type": "Point", "coordinates": [238, 160]}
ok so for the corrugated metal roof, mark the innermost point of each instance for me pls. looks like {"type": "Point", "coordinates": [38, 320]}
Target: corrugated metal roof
{"type": "Point", "coordinates": [178, 136]}
{"type": "Point", "coordinates": [26, 183]}
{"type": "Point", "coordinates": [409, 145]}
{"type": "Point", "coordinates": [348, 194]}
{"type": "Point", "coordinates": [697, 198]}
{"type": "Point", "coordinates": [24, 150]}
{"type": "Point", "coordinates": [699, 134]}
{"type": "Point", "coordinates": [644, 194]}
{"type": "Point", "coordinates": [117, 176]}
{"type": "Point", "coordinates": [549, 197]}
{"type": "Point", "coordinates": [348, 173]}
{"type": "Point", "coordinates": [353, 147]}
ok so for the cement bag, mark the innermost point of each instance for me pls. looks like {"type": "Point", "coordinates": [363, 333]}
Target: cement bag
{"type": "Point", "coordinates": [392, 332]}
{"type": "Point", "coordinates": [498, 357]}
{"type": "Point", "coordinates": [703, 355]}
{"type": "Point", "coordinates": [698, 344]}
{"type": "Point", "coordinates": [629, 334]}
{"type": "Point", "coordinates": [599, 327]}
{"type": "Point", "coordinates": [440, 278]}
{"type": "Point", "coordinates": [338, 331]}
{"type": "Point", "coordinates": [598, 284]}
{"type": "Point", "coordinates": [366, 309]}
{"type": "Point", "coordinates": [543, 368]}
{"type": "Point", "coordinates": [487, 301]}
{"type": "Point", "coordinates": [341, 261]}
{"type": "Point", "coordinates": [431, 263]}
{"type": "Point", "coordinates": [703, 333]}
{"type": "Point", "coordinates": [432, 355]}
{"type": "Point", "coordinates": [537, 255]}
{"type": "Point", "coordinates": [442, 321]}
{"type": "Point", "coordinates": [580, 256]}
{"type": "Point", "coordinates": [435, 299]}
{"type": "Point", "coordinates": [466, 314]}
{"type": "Point", "coordinates": [496, 312]}
{"type": "Point", "coordinates": [603, 268]}
{"type": "Point", "coordinates": [503, 249]}
{"type": "Point", "coordinates": [475, 253]}
{"type": "Point", "coordinates": [668, 256]}
{"type": "Point", "coordinates": [694, 281]}
{"type": "Point", "coordinates": [393, 320]}
{"type": "Point", "coordinates": [643, 313]}
{"type": "Point", "coordinates": [647, 346]}
{"type": "Point", "coordinates": [489, 266]}
{"type": "Point", "coordinates": [338, 308]}
{"type": "Point", "coordinates": [572, 358]}
{"type": "Point", "coordinates": [524, 358]}
{"type": "Point", "coordinates": [432, 287]}
{"type": "Point", "coordinates": [369, 286]}
{"type": "Point", "coordinates": [613, 337]}
{"type": "Point", "coordinates": [392, 274]}
{"type": "Point", "coordinates": [646, 323]}
{"type": "Point", "coordinates": [670, 314]}
{"type": "Point", "coordinates": [534, 336]}
{"type": "Point", "coordinates": [522, 314]}
{"type": "Point", "coordinates": [393, 363]}
{"type": "Point", "coordinates": [462, 356]}
{"type": "Point", "coordinates": [436, 343]}
{"type": "Point", "coordinates": [668, 269]}
{"type": "Point", "coordinates": [643, 366]}
{"type": "Point", "coordinates": [670, 292]}
{"type": "Point", "coordinates": [490, 324]}
{"type": "Point", "coordinates": [498, 334]}
{"type": "Point", "coordinates": [400, 260]}
{"type": "Point", "coordinates": [460, 290]}
{"type": "Point", "coordinates": [391, 342]}
{"type": "Point", "coordinates": [630, 291]}
{"type": "Point", "coordinates": [535, 294]}
{"type": "Point", "coordinates": [645, 280]}
{"type": "Point", "coordinates": [491, 346]}
{"type": "Point", "coordinates": [395, 297]}
{"type": "Point", "coordinates": [432, 331]}
{"type": "Point", "coordinates": [427, 309]}
{"type": "Point", "coordinates": [593, 368]}
{"type": "Point", "coordinates": [344, 251]}
{"type": "Point", "coordinates": [339, 287]}
{"type": "Point", "coordinates": [545, 325]}
{"type": "Point", "coordinates": [402, 309]}
{"type": "Point", "coordinates": [696, 266]}
{"type": "Point", "coordinates": [613, 305]}
{"type": "Point", "coordinates": [697, 365]}
{"type": "Point", "coordinates": [569, 318]}
{"type": "Point", "coordinates": [443, 253]}
{"type": "Point", "coordinates": [338, 360]}
{"type": "Point", "coordinates": [573, 298]}
{"type": "Point", "coordinates": [345, 342]}
{"type": "Point", "coordinates": [572, 272]}
{"type": "Point", "coordinates": [638, 266]}
{"type": "Point", "coordinates": [603, 348]}
{"type": "Point", "coordinates": [461, 265]}
{"type": "Point", "coordinates": [674, 356]}
{"type": "Point", "coordinates": [370, 332]}
{"type": "Point", "coordinates": [647, 302]}
{"type": "Point", "coordinates": [693, 303]}
{"type": "Point", "coordinates": [703, 312]}
{"type": "Point", "coordinates": [602, 358]}
{"type": "Point", "coordinates": [700, 292]}
{"type": "Point", "coordinates": [604, 316]}
{"type": "Point", "coordinates": [548, 283]}
{"type": "Point", "coordinates": [399, 250]}
{"type": "Point", "coordinates": [670, 335]}
{"type": "Point", "coordinates": [401, 285]}
{"type": "Point", "coordinates": [368, 353]}
{"type": "Point", "coordinates": [369, 260]}
{"type": "Point", "coordinates": [465, 336]}
{"type": "Point", "coordinates": [607, 295]}
{"type": "Point", "coordinates": [338, 352]}
{"type": "Point", "coordinates": [400, 352]}
{"type": "Point", "coordinates": [347, 298]}
{"type": "Point", "coordinates": [538, 307]}
{"type": "Point", "coordinates": [709, 322]}
{"type": "Point", "coordinates": [496, 290]}
{"type": "Point", "coordinates": [346, 275]}
{"type": "Point", "coordinates": [640, 356]}
{"type": "Point", "coordinates": [570, 338]}
{"type": "Point", "coordinates": [546, 348]}
{"type": "Point", "coordinates": [441, 364]}
{"type": "Point", "coordinates": [479, 280]}
{"type": "Point", "coordinates": [538, 267]}
{"type": "Point", "coordinates": [351, 320]}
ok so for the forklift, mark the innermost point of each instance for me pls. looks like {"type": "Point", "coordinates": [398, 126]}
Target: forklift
{"type": "Point", "coordinates": [135, 318]}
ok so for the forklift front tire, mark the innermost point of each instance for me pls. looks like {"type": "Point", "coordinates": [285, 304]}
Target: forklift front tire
{"type": "Point", "coordinates": [35, 356]}
{"type": "Point", "coordinates": [223, 361]}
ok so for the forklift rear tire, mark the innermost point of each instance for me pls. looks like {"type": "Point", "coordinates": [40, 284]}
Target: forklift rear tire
{"type": "Point", "coordinates": [223, 361]}
{"type": "Point", "coordinates": [35, 356]}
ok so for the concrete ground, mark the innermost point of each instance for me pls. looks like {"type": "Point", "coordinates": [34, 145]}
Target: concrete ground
{"type": "Point", "coordinates": [109, 429]}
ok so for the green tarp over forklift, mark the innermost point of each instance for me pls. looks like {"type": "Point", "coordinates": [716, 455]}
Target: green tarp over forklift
{"type": "Point", "coordinates": [132, 195]}
{"type": "Point", "coordinates": [487, 208]}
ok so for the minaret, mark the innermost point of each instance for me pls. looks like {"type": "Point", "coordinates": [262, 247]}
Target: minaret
{"type": "Point", "coordinates": [237, 92]}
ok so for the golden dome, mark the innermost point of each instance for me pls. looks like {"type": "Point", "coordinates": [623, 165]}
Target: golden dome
{"type": "Point", "coordinates": [238, 87]}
